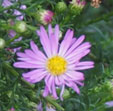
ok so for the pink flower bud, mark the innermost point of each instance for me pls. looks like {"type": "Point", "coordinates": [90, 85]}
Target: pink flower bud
{"type": "Point", "coordinates": [44, 16]}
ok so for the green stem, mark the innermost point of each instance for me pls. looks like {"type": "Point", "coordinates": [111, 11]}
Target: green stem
{"type": "Point", "coordinates": [91, 55]}
{"type": "Point", "coordinates": [54, 103]}
{"type": "Point", "coordinates": [32, 27]}
{"type": "Point", "coordinates": [15, 73]}
{"type": "Point", "coordinates": [11, 40]}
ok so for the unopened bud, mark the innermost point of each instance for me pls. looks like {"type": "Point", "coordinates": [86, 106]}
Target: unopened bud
{"type": "Point", "coordinates": [44, 16]}
{"type": "Point", "coordinates": [66, 94]}
{"type": "Point", "coordinates": [2, 43]}
{"type": "Point", "coordinates": [61, 7]}
{"type": "Point", "coordinates": [76, 6]}
{"type": "Point", "coordinates": [20, 27]}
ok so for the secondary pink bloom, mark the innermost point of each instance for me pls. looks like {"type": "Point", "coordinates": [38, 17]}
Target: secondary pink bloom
{"type": "Point", "coordinates": [20, 17]}
{"type": "Point", "coordinates": [109, 104]}
{"type": "Point", "coordinates": [12, 109]}
{"type": "Point", "coordinates": [12, 34]}
{"type": "Point", "coordinates": [59, 66]}
{"type": "Point", "coordinates": [7, 3]}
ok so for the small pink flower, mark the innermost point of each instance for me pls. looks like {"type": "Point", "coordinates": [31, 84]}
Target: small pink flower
{"type": "Point", "coordinates": [12, 109]}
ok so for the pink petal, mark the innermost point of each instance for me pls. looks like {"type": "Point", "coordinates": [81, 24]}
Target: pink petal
{"type": "Point", "coordinates": [76, 44]}
{"type": "Point", "coordinates": [73, 75]}
{"type": "Point", "coordinates": [54, 44]}
{"type": "Point", "coordinates": [50, 30]}
{"type": "Point", "coordinates": [54, 90]}
{"type": "Point", "coordinates": [26, 65]}
{"type": "Point", "coordinates": [48, 81]}
{"type": "Point", "coordinates": [85, 63]}
{"type": "Point", "coordinates": [62, 91]}
{"type": "Point", "coordinates": [72, 58]}
{"type": "Point", "coordinates": [31, 73]}
{"type": "Point", "coordinates": [44, 41]}
{"type": "Point", "coordinates": [65, 43]}
{"type": "Point", "coordinates": [37, 79]}
{"type": "Point", "coordinates": [73, 86]}
{"type": "Point", "coordinates": [39, 54]}
{"type": "Point", "coordinates": [79, 49]}
{"type": "Point", "coordinates": [57, 81]}
{"type": "Point", "coordinates": [83, 67]}
{"type": "Point", "coordinates": [46, 91]}
{"type": "Point", "coordinates": [57, 33]}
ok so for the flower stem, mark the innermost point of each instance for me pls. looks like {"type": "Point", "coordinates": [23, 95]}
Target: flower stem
{"type": "Point", "coordinates": [11, 40]}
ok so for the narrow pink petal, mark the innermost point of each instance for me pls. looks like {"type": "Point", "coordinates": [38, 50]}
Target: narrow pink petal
{"type": "Point", "coordinates": [84, 67]}
{"type": "Point", "coordinates": [21, 54]}
{"type": "Point", "coordinates": [76, 44]}
{"type": "Point", "coordinates": [54, 90]}
{"type": "Point", "coordinates": [73, 41]}
{"type": "Point", "coordinates": [54, 44]}
{"type": "Point", "coordinates": [65, 43]}
{"type": "Point", "coordinates": [57, 81]}
{"type": "Point", "coordinates": [74, 75]}
{"type": "Point", "coordinates": [30, 53]}
{"type": "Point", "coordinates": [50, 30]}
{"type": "Point", "coordinates": [31, 73]}
{"type": "Point", "coordinates": [45, 41]}
{"type": "Point", "coordinates": [38, 79]}
{"type": "Point", "coordinates": [73, 86]}
{"type": "Point", "coordinates": [34, 76]}
{"type": "Point", "coordinates": [85, 63]}
{"type": "Point", "coordinates": [56, 32]}
{"type": "Point", "coordinates": [46, 91]}
{"type": "Point", "coordinates": [48, 81]}
{"type": "Point", "coordinates": [25, 65]}
{"type": "Point", "coordinates": [79, 83]}
{"type": "Point", "coordinates": [34, 46]}
{"type": "Point", "coordinates": [72, 58]}
{"type": "Point", "coordinates": [62, 91]}
{"type": "Point", "coordinates": [61, 79]}
{"type": "Point", "coordinates": [79, 49]}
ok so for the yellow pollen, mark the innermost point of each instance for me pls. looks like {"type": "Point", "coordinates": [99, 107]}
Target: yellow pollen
{"type": "Point", "coordinates": [57, 65]}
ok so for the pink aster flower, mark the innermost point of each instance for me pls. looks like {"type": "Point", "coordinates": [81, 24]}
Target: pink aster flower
{"type": "Point", "coordinates": [59, 66]}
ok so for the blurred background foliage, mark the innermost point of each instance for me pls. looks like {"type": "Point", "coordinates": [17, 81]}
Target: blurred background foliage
{"type": "Point", "coordinates": [95, 23]}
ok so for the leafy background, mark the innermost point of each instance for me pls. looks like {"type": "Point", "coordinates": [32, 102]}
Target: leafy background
{"type": "Point", "coordinates": [95, 23]}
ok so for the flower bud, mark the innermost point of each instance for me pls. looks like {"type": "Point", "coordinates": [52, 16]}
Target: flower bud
{"type": "Point", "coordinates": [66, 94]}
{"type": "Point", "coordinates": [2, 43]}
{"type": "Point", "coordinates": [76, 6]}
{"type": "Point", "coordinates": [44, 16]}
{"type": "Point", "coordinates": [20, 27]}
{"type": "Point", "coordinates": [61, 7]}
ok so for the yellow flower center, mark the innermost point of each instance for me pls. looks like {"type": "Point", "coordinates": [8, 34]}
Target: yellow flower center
{"type": "Point", "coordinates": [56, 65]}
